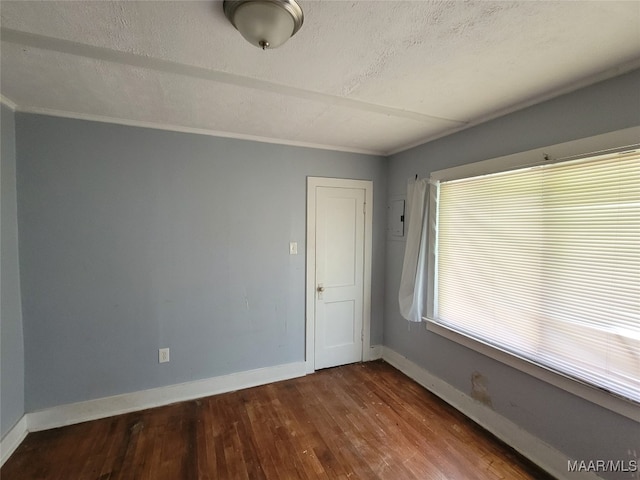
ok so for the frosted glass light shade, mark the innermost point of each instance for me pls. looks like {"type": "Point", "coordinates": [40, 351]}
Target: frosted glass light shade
{"type": "Point", "coordinates": [265, 23]}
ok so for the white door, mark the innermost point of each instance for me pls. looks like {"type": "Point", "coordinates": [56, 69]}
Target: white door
{"type": "Point", "coordinates": [339, 281]}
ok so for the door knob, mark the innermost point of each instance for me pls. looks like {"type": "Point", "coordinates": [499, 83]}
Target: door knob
{"type": "Point", "coordinates": [320, 288]}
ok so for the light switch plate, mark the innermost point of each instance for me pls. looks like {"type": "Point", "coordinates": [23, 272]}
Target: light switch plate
{"type": "Point", "coordinates": [293, 248]}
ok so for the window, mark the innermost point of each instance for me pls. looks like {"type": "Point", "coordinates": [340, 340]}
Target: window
{"type": "Point", "coordinates": [543, 263]}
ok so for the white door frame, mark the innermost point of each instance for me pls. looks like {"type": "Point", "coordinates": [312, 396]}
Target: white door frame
{"type": "Point", "coordinates": [312, 183]}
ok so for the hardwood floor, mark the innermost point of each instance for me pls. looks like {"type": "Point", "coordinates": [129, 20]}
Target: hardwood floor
{"type": "Point", "coordinates": [360, 421]}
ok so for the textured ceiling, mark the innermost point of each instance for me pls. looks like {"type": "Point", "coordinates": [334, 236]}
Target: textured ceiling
{"type": "Point", "coordinates": [368, 76]}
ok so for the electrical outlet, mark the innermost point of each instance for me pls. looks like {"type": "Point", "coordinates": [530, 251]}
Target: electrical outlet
{"type": "Point", "coordinates": [163, 355]}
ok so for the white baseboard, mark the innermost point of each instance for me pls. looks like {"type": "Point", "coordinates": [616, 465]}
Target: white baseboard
{"type": "Point", "coordinates": [547, 457]}
{"type": "Point", "coordinates": [375, 352]}
{"type": "Point", "coordinates": [539, 452]}
{"type": "Point", "coordinates": [72, 413]}
{"type": "Point", "coordinates": [13, 439]}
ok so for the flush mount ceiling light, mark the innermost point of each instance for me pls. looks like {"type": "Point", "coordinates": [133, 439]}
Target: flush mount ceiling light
{"type": "Point", "coordinates": [265, 23]}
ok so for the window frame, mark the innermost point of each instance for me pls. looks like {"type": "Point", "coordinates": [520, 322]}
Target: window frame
{"type": "Point", "coordinates": [621, 140]}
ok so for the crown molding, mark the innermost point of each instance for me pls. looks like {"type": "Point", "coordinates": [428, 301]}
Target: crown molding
{"type": "Point", "coordinates": [533, 101]}
{"type": "Point", "coordinates": [193, 130]}
{"type": "Point", "coordinates": [8, 103]}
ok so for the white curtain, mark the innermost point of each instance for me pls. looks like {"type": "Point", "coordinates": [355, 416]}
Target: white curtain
{"type": "Point", "coordinates": [412, 283]}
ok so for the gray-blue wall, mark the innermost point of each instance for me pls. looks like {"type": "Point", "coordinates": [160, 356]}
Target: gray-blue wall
{"type": "Point", "coordinates": [574, 426]}
{"type": "Point", "coordinates": [133, 239]}
{"type": "Point", "coordinates": [11, 339]}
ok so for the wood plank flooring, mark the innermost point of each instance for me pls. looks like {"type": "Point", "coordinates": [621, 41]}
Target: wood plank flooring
{"type": "Point", "coordinates": [361, 421]}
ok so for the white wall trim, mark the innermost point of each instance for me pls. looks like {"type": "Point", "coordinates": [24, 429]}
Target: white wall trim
{"type": "Point", "coordinates": [13, 439]}
{"type": "Point", "coordinates": [375, 352]}
{"type": "Point", "coordinates": [367, 186]}
{"type": "Point", "coordinates": [592, 394]}
{"type": "Point", "coordinates": [528, 445]}
{"type": "Point", "coordinates": [72, 413]}
{"type": "Point", "coordinates": [7, 102]}
{"type": "Point", "coordinates": [194, 130]}
{"type": "Point", "coordinates": [539, 452]}
{"type": "Point", "coordinates": [626, 140]}
{"type": "Point", "coordinates": [604, 143]}
{"type": "Point", "coordinates": [608, 74]}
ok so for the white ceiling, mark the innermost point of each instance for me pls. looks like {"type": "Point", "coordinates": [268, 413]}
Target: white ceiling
{"type": "Point", "coordinates": [365, 76]}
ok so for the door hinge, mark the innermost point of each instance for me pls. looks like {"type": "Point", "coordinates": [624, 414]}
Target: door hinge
{"type": "Point", "coordinates": [364, 207]}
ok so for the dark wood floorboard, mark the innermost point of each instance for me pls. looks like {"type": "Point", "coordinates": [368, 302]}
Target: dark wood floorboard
{"type": "Point", "coordinates": [362, 421]}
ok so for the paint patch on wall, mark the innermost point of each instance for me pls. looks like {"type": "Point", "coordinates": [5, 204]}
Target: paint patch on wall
{"type": "Point", "coordinates": [480, 389]}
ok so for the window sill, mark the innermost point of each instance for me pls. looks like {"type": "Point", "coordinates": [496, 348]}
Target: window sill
{"type": "Point", "coordinates": [611, 402]}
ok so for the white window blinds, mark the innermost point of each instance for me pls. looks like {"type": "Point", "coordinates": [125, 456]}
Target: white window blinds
{"type": "Point", "coordinates": [544, 263]}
